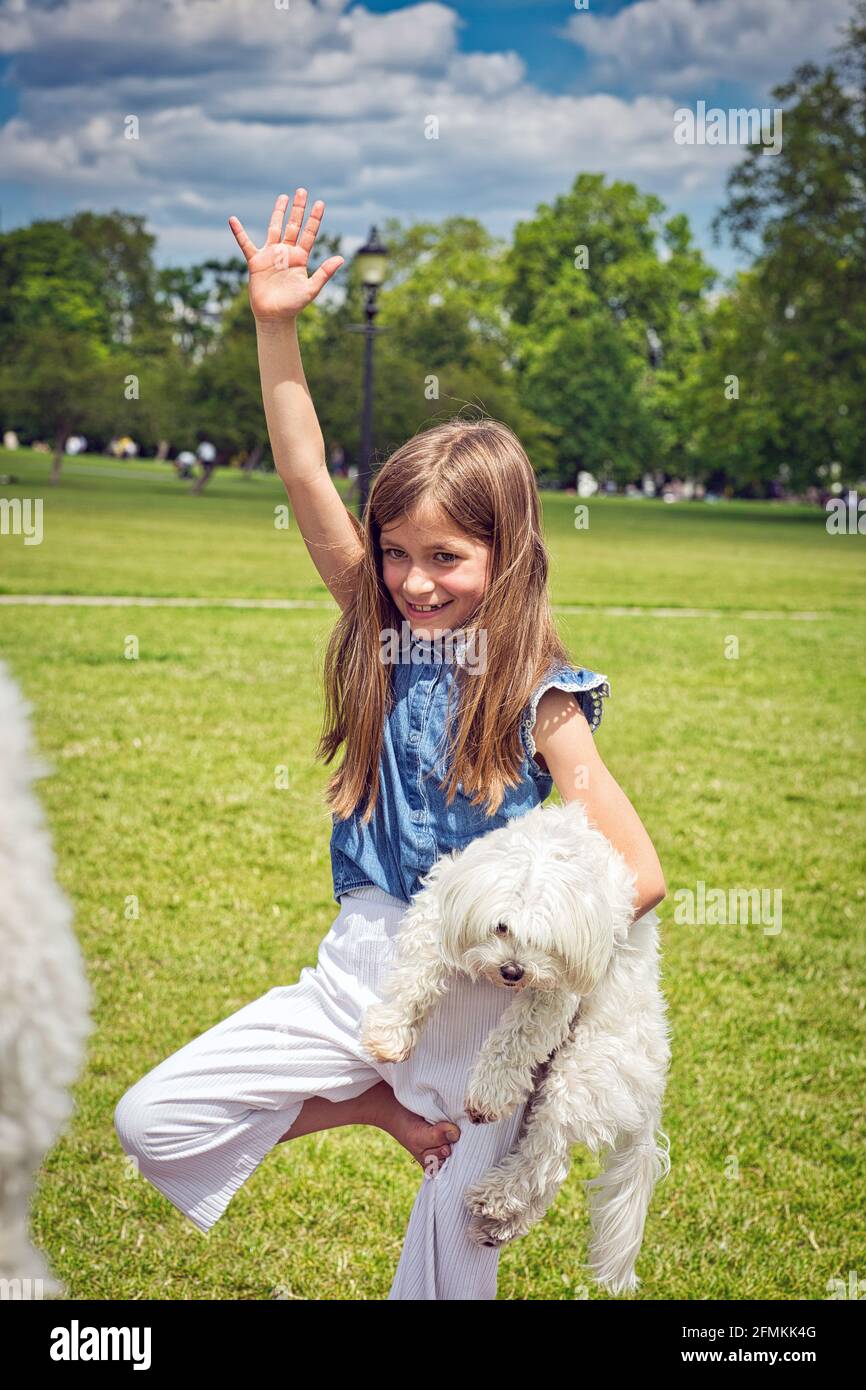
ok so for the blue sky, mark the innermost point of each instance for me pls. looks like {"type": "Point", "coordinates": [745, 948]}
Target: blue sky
{"type": "Point", "coordinates": [238, 100]}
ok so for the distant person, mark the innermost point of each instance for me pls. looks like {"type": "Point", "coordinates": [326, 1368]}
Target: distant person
{"type": "Point", "coordinates": [338, 461]}
{"type": "Point", "coordinates": [10, 440]}
{"type": "Point", "coordinates": [185, 463]}
{"type": "Point", "coordinates": [586, 483]}
{"type": "Point", "coordinates": [123, 447]}
{"type": "Point", "coordinates": [206, 453]}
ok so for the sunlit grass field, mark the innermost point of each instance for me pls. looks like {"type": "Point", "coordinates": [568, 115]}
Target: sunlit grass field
{"type": "Point", "coordinates": [736, 731]}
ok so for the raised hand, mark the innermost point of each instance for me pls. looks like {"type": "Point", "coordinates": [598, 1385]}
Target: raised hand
{"type": "Point", "coordinates": [279, 284]}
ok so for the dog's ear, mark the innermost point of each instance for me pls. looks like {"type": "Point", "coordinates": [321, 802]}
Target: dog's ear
{"type": "Point", "coordinates": [615, 878]}
{"type": "Point", "coordinates": [436, 870]}
{"type": "Point", "coordinates": [450, 891]}
{"type": "Point", "coordinates": [421, 922]}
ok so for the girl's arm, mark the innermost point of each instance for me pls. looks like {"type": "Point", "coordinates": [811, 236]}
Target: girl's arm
{"type": "Point", "coordinates": [564, 739]}
{"type": "Point", "coordinates": [299, 455]}
{"type": "Point", "coordinates": [279, 290]}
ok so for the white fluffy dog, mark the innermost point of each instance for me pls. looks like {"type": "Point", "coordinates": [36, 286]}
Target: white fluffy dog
{"type": "Point", "coordinates": [44, 998]}
{"type": "Point", "coordinates": [543, 906]}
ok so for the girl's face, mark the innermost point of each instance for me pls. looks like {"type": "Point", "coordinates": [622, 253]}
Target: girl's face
{"type": "Point", "coordinates": [428, 562]}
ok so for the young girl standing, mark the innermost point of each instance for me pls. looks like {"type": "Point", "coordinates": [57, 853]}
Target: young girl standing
{"type": "Point", "coordinates": [459, 709]}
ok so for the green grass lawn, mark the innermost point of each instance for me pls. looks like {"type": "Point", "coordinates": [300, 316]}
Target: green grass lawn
{"type": "Point", "coordinates": [747, 772]}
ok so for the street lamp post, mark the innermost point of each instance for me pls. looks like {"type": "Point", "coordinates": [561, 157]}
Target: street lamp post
{"type": "Point", "coordinates": [372, 262]}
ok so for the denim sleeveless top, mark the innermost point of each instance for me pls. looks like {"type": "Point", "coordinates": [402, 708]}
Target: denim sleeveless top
{"type": "Point", "coordinates": [411, 826]}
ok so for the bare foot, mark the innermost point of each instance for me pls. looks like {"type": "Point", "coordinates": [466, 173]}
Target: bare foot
{"type": "Point", "coordinates": [424, 1141]}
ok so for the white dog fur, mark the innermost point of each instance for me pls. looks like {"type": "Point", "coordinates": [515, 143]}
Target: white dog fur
{"type": "Point", "coordinates": [45, 1000]}
{"type": "Point", "coordinates": [543, 906]}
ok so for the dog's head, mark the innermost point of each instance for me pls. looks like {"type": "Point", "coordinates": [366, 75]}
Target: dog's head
{"type": "Point", "coordinates": [540, 903]}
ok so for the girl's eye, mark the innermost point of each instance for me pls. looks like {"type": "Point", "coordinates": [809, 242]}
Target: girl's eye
{"type": "Point", "coordinates": [393, 552]}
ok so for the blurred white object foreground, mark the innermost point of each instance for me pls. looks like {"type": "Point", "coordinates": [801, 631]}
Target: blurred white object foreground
{"type": "Point", "coordinates": [45, 999]}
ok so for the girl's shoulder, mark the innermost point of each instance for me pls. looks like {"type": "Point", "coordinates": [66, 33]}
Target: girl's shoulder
{"type": "Point", "coordinates": [589, 688]}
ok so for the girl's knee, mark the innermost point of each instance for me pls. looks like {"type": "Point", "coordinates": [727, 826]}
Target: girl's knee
{"type": "Point", "coordinates": [133, 1120]}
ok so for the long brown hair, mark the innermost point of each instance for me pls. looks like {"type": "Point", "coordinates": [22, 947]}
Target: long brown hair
{"type": "Point", "coordinates": [477, 473]}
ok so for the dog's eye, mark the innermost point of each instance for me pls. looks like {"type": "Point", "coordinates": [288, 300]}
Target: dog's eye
{"type": "Point", "coordinates": [501, 929]}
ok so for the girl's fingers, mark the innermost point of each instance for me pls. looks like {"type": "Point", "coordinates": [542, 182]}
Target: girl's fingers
{"type": "Point", "coordinates": [275, 226]}
{"type": "Point", "coordinates": [314, 222]}
{"type": "Point", "coordinates": [296, 216]}
{"type": "Point", "coordinates": [321, 276]}
{"type": "Point", "coordinates": [241, 237]}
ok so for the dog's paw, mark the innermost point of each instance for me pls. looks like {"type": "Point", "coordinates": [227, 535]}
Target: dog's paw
{"type": "Point", "coordinates": [484, 1113]}
{"type": "Point", "coordinates": [506, 1203]}
{"type": "Point", "coordinates": [491, 1225]}
{"type": "Point", "coordinates": [478, 1117]}
{"type": "Point", "coordinates": [386, 1040]}
{"type": "Point", "coordinates": [485, 1102]}
{"type": "Point", "coordinates": [480, 1232]}
{"type": "Point", "coordinates": [490, 1096]}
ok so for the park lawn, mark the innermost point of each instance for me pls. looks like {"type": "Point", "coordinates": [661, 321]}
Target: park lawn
{"type": "Point", "coordinates": [147, 535]}
{"type": "Point", "coordinates": [747, 773]}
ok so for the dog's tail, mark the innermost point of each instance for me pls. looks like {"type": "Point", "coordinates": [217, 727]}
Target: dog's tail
{"type": "Point", "coordinates": [618, 1199]}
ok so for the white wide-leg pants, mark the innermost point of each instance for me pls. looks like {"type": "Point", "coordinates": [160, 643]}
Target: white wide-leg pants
{"type": "Point", "coordinates": [203, 1120]}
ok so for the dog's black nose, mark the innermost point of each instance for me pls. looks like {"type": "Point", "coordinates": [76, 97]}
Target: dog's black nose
{"type": "Point", "coordinates": [511, 973]}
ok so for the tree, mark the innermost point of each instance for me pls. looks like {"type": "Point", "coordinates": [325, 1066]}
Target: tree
{"type": "Point", "coordinates": [198, 297]}
{"type": "Point", "coordinates": [78, 316]}
{"type": "Point", "coordinates": [54, 383]}
{"type": "Point", "coordinates": [120, 254]}
{"type": "Point", "coordinates": [449, 343]}
{"type": "Point", "coordinates": [445, 343]}
{"type": "Point", "coordinates": [795, 330]}
{"type": "Point", "coordinates": [225, 397]}
{"type": "Point", "coordinates": [606, 304]}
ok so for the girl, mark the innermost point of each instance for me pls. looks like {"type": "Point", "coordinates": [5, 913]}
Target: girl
{"type": "Point", "coordinates": [450, 562]}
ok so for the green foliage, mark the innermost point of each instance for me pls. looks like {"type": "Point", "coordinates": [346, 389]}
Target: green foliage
{"type": "Point", "coordinates": [79, 318]}
{"type": "Point", "coordinates": [794, 329]}
{"type": "Point", "coordinates": [597, 282]}
{"type": "Point", "coordinates": [445, 345]}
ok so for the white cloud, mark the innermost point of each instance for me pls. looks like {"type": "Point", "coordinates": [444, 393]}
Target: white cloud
{"type": "Point", "coordinates": [666, 45]}
{"type": "Point", "coordinates": [487, 73]}
{"type": "Point", "coordinates": [423, 35]}
{"type": "Point", "coordinates": [238, 101]}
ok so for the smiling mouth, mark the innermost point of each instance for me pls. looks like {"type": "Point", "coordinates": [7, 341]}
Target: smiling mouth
{"type": "Point", "coordinates": [425, 609]}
